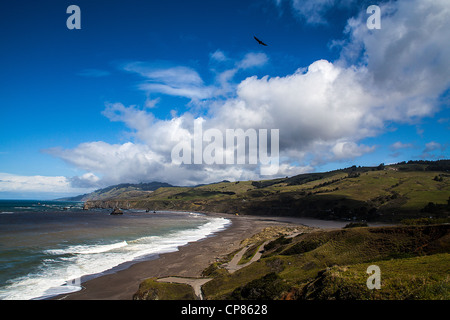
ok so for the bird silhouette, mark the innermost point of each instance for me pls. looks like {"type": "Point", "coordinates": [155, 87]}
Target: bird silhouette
{"type": "Point", "coordinates": [259, 41]}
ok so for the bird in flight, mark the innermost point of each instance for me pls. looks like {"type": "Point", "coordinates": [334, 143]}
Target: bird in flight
{"type": "Point", "coordinates": [259, 41]}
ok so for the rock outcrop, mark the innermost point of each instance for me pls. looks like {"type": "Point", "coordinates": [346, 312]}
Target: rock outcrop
{"type": "Point", "coordinates": [116, 211]}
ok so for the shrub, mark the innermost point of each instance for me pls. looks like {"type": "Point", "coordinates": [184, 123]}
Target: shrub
{"type": "Point", "coordinates": [269, 287]}
{"type": "Point", "coordinates": [303, 246]}
{"type": "Point", "coordinates": [277, 243]}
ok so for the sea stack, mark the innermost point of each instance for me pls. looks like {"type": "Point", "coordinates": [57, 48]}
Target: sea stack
{"type": "Point", "coordinates": [116, 211]}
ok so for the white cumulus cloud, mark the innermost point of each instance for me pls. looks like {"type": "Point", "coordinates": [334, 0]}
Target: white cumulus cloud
{"type": "Point", "coordinates": [323, 111]}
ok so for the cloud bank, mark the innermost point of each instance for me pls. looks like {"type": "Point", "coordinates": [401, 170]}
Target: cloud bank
{"type": "Point", "coordinates": [324, 111]}
{"type": "Point", "coordinates": [29, 187]}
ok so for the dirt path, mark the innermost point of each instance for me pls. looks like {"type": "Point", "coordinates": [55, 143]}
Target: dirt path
{"type": "Point", "coordinates": [194, 283]}
{"type": "Point", "coordinates": [233, 265]}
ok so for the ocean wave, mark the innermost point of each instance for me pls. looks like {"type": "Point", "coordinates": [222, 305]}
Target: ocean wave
{"type": "Point", "coordinates": [53, 278]}
{"type": "Point", "coordinates": [87, 249]}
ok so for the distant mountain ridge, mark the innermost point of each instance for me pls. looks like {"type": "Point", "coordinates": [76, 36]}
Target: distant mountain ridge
{"type": "Point", "coordinates": [122, 190]}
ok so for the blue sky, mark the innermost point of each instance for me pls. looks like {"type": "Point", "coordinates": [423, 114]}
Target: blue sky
{"type": "Point", "coordinates": [83, 109]}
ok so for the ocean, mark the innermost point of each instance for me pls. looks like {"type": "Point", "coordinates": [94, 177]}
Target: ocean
{"type": "Point", "coordinates": [49, 248]}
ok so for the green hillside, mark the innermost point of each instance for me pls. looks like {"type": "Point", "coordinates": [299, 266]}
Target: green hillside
{"type": "Point", "coordinates": [414, 264]}
{"type": "Point", "coordinates": [384, 193]}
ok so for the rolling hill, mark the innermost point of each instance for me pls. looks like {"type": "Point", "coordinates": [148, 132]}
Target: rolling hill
{"type": "Point", "coordinates": [325, 265]}
{"type": "Point", "coordinates": [384, 193]}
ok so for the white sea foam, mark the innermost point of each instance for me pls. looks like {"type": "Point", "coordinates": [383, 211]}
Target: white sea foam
{"type": "Point", "coordinates": [60, 272]}
{"type": "Point", "coordinates": [87, 249]}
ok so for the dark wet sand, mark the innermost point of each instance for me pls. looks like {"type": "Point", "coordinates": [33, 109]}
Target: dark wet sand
{"type": "Point", "coordinates": [189, 261]}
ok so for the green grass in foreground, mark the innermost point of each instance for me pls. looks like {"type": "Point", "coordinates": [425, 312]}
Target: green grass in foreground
{"type": "Point", "coordinates": [150, 289]}
{"type": "Point", "coordinates": [414, 264]}
{"type": "Point", "coordinates": [418, 278]}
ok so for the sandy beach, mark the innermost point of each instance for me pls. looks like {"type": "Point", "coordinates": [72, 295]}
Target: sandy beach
{"type": "Point", "coordinates": [189, 261]}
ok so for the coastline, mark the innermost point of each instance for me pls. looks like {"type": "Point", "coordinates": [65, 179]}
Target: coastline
{"type": "Point", "coordinates": [189, 261]}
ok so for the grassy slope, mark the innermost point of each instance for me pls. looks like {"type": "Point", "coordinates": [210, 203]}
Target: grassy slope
{"type": "Point", "coordinates": [150, 289]}
{"type": "Point", "coordinates": [414, 264]}
{"type": "Point", "coordinates": [424, 278]}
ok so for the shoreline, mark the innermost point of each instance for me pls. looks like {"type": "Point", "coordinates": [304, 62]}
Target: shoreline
{"type": "Point", "coordinates": [188, 261]}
